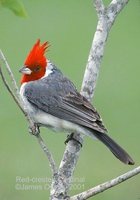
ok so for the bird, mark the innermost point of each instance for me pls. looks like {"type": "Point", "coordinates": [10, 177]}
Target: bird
{"type": "Point", "coordinates": [53, 101]}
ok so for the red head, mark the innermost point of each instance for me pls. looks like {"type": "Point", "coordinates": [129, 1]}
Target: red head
{"type": "Point", "coordinates": [35, 63]}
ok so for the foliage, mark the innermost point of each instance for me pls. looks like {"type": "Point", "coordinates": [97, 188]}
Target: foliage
{"type": "Point", "coordinates": [16, 6]}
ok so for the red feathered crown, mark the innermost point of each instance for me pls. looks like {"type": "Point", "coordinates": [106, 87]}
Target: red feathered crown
{"type": "Point", "coordinates": [36, 56]}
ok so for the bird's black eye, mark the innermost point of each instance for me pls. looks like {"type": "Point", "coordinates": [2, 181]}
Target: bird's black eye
{"type": "Point", "coordinates": [36, 69]}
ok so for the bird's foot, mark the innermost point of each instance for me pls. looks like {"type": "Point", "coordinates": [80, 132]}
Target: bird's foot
{"type": "Point", "coordinates": [34, 130]}
{"type": "Point", "coordinates": [72, 137]}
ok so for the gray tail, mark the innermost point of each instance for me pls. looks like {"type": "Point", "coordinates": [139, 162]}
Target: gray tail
{"type": "Point", "coordinates": [117, 150]}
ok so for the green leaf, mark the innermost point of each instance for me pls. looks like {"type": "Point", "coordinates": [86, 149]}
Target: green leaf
{"type": "Point", "coordinates": [16, 6]}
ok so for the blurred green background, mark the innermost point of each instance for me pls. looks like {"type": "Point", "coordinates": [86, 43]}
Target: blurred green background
{"type": "Point", "coordinates": [69, 27]}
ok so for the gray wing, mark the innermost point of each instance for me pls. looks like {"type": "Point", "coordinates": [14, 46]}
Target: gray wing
{"type": "Point", "coordinates": [61, 99]}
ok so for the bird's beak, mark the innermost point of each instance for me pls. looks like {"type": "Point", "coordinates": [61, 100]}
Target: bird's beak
{"type": "Point", "coordinates": [25, 70]}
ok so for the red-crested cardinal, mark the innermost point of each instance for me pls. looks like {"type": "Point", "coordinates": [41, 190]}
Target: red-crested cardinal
{"type": "Point", "coordinates": [53, 101]}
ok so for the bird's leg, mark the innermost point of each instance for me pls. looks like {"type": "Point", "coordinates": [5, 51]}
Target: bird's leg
{"type": "Point", "coordinates": [34, 130]}
{"type": "Point", "coordinates": [72, 137]}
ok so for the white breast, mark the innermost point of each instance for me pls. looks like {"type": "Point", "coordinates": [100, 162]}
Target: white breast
{"type": "Point", "coordinates": [29, 107]}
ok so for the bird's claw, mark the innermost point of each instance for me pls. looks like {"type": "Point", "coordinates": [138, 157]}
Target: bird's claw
{"type": "Point", "coordinates": [34, 130]}
{"type": "Point", "coordinates": [71, 137]}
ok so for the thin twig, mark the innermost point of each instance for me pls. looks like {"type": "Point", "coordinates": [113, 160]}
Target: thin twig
{"type": "Point", "coordinates": [104, 186]}
{"type": "Point", "coordinates": [48, 154]}
{"type": "Point", "coordinates": [114, 8]}
{"type": "Point", "coordinates": [2, 57]}
{"type": "Point", "coordinates": [10, 90]}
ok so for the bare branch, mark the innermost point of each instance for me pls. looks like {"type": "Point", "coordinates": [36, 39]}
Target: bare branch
{"type": "Point", "coordinates": [61, 183]}
{"type": "Point", "coordinates": [2, 57]}
{"type": "Point", "coordinates": [48, 154]}
{"type": "Point", "coordinates": [104, 186]}
{"type": "Point", "coordinates": [99, 6]}
{"type": "Point", "coordinates": [106, 18]}
{"type": "Point", "coordinates": [22, 107]}
{"type": "Point", "coordinates": [10, 90]}
{"type": "Point", "coordinates": [114, 9]}
{"type": "Point", "coordinates": [96, 53]}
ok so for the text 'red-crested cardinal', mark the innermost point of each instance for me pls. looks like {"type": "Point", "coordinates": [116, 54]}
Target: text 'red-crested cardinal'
{"type": "Point", "coordinates": [53, 101]}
